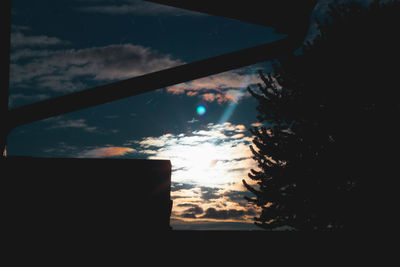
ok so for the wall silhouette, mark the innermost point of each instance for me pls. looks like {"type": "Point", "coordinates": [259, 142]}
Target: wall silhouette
{"type": "Point", "coordinates": [61, 196]}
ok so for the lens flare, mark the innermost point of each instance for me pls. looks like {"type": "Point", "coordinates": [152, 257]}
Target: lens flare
{"type": "Point", "coordinates": [201, 110]}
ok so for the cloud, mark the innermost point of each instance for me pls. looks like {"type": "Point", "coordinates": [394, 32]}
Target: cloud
{"type": "Point", "coordinates": [208, 166]}
{"type": "Point", "coordinates": [61, 149]}
{"type": "Point", "coordinates": [236, 136]}
{"type": "Point", "coordinates": [18, 28]}
{"type": "Point", "coordinates": [192, 212]}
{"type": "Point", "coordinates": [224, 87]}
{"type": "Point", "coordinates": [257, 124]}
{"type": "Point", "coordinates": [105, 152]}
{"type": "Point", "coordinates": [179, 186]}
{"type": "Point", "coordinates": [58, 123]}
{"type": "Point", "coordinates": [135, 7]}
{"type": "Point", "coordinates": [19, 39]}
{"type": "Point", "coordinates": [225, 214]}
{"type": "Point", "coordinates": [210, 193]}
{"type": "Point", "coordinates": [20, 99]}
{"type": "Point", "coordinates": [193, 120]}
{"type": "Point", "coordinates": [69, 70]}
{"type": "Point", "coordinates": [111, 117]}
{"type": "Point", "coordinates": [204, 157]}
{"type": "Point", "coordinates": [237, 196]}
{"type": "Point", "coordinates": [35, 65]}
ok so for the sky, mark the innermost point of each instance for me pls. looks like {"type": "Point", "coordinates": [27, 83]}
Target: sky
{"type": "Point", "coordinates": [202, 126]}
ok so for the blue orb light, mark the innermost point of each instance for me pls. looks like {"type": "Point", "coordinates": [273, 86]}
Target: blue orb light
{"type": "Point", "coordinates": [201, 110]}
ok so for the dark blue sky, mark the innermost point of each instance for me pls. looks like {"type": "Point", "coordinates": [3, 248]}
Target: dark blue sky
{"type": "Point", "coordinates": [62, 46]}
{"type": "Point", "coordinates": [59, 27]}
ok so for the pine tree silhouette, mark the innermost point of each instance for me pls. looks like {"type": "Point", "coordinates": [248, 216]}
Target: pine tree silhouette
{"type": "Point", "coordinates": [323, 159]}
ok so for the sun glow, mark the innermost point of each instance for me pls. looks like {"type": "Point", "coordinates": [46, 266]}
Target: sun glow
{"type": "Point", "coordinates": [215, 156]}
{"type": "Point", "coordinates": [203, 163]}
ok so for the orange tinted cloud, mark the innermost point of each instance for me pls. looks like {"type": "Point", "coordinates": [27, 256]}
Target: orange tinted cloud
{"type": "Point", "coordinates": [220, 97]}
{"type": "Point", "coordinates": [257, 124]}
{"type": "Point", "coordinates": [191, 93]}
{"type": "Point", "coordinates": [224, 87]}
{"type": "Point", "coordinates": [106, 152]}
{"type": "Point", "coordinates": [209, 97]}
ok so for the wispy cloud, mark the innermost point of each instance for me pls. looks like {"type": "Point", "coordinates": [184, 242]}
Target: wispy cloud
{"type": "Point", "coordinates": [105, 152]}
{"type": "Point", "coordinates": [193, 120]}
{"type": "Point", "coordinates": [19, 39]}
{"type": "Point", "coordinates": [20, 99]}
{"type": "Point", "coordinates": [61, 149]}
{"type": "Point", "coordinates": [67, 70]}
{"type": "Point", "coordinates": [42, 67]}
{"type": "Point", "coordinates": [58, 123]}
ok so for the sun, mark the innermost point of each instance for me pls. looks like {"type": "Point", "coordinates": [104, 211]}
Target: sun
{"type": "Point", "coordinates": [204, 164]}
{"type": "Point", "coordinates": [199, 157]}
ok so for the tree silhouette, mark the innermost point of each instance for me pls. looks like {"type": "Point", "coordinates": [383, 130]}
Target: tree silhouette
{"type": "Point", "coordinates": [330, 114]}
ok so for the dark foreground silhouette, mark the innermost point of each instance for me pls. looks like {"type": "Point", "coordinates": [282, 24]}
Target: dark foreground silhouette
{"type": "Point", "coordinates": [328, 154]}
{"type": "Point", "coordinates": [61, 197]}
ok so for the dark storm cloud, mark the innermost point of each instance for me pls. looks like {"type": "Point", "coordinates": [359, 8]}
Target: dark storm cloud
{"type": "Point", "coordinates": [224, 214]}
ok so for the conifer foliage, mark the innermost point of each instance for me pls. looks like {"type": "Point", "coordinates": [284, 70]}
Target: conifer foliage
{"type": "Point", "coordinates": [317, 154]}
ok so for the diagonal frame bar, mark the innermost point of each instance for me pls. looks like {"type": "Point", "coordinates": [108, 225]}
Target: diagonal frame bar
{"type": "Point", "coordinates": [149, 82]}
{"type": "Point", "coordinates": [156, 80]}
{"type": "Point", "coordinates": [283, 15]}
